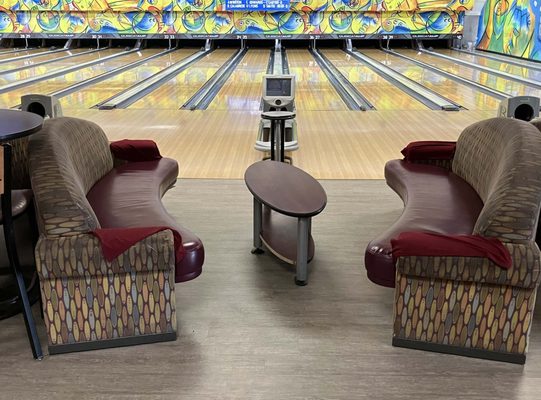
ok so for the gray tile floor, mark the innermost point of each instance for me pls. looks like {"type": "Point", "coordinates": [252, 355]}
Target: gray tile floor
{"type": "Point", "coordinates": [247, 332]}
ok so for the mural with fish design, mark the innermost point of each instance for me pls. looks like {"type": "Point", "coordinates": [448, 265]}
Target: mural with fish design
{"type": "Point", "coordinates": [163, 18]}
{"type": "Point", "coordinates": [511, 27]}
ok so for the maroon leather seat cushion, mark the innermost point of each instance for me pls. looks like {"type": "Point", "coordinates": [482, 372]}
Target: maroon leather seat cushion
{"type": "Point", "coordinates": [130, 195]}
{"type": "Point", "coordinates": [435, 201]}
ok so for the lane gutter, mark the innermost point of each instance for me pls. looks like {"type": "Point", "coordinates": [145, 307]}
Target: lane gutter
{"type": "Point", "coordinates": [349, 93]}
{"type": "Point", "coordinates": [204, 96]}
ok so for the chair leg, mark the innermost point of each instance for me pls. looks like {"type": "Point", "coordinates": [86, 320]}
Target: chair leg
{"type": "Point", "coordinates": [27, 310]}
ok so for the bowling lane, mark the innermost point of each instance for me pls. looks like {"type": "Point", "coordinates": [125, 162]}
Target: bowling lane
{"type": "Point", "coordinates": [313, 91]}
{"type": "Point", "coordinates": [12, 98]}
{"type": "Point", "coordinates": [175, 92]}
{"type": "Point", "coordinates": [92, 95]}
{"type": "Point", "coordinates": [243, 89]}
{"type": "Point", "coordinates": [43, 69]}
{"type": "Point", "coordinates": [31, 61]}
{"type": "Point", "coordinates": [510, 87]}
{"type": "Point", "coordinates": [523, 72]}
{"type": "Point", "coordinates": [5, 56]}
{"type": "Point", "coordinates": [380, 92]}
{"type": "Point", "coordinates": [464, 95]}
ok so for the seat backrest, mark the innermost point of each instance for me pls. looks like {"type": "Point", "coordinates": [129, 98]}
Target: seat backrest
{"type": "Point", "coordinates": [66, 158]}
{"type": "Point", "coordinates": [501, 159]}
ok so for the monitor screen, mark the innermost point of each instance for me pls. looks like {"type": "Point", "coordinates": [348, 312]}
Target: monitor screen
{"type": "Point", "coordinates": [278, 87]}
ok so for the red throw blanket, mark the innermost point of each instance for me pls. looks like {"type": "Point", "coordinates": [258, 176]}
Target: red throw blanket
{"type": "Point", "coordinates": [432, 244]}
{"type": "Point", "coordinates": [429, 150]}
{"type": "Point", "coordinates": [115, 241]}
{"type": "Point", "coordinates": [135, 150]}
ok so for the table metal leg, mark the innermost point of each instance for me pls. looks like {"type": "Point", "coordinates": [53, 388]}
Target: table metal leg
{"type": "Point", "coordinates": [303, 237]}
{"type": "Point", "coordinates": [282, 139]}
{"type": "Point", "coordinates": [273, 140]}
{"type": "Point", "coordinates": [258, 226]}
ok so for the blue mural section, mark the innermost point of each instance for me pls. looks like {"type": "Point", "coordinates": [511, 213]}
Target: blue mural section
{"type": "Point", "coordinates": [511, 28]}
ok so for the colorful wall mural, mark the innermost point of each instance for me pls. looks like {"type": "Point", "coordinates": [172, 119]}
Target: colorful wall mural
{"type": "Point", "coordinates": [210, 17]}
{"type": "Point", "coordinates": [511, 27]}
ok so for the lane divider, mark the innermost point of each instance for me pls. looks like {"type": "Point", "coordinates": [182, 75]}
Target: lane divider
{"type": "Point", "coordinates": [349, 93]}
{"type": "Point", "coordinates": [204, 96]}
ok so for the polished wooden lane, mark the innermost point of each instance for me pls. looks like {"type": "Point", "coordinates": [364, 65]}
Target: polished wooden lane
{"type": "Point", "coordinates": [175, 92]}
{"type": "Point", "coordinates": [40, 70]}
{"type": "Point", "coordinates": [34, 60]}
{"type": "Point", "coordinates": [492, 81]}
{"type": "Point", "coordinates": [380, 92]}
{"type": "Point", "coordinates": [244, 88]}
{"type": "Point", "coordinates": [92, 95]}
{"type": "Point", "coordinates": [464, 95]}
{"type": "Point", "coordinates": [12, 98]}
{"type": "Point", "coordinates": [5, 56]}
{"type": "Point", "coordinates": [313, 90]}
{"type": "Point", "coordinates": [333, 144]}
{"type": "Point", "coordinates": [502, 66]}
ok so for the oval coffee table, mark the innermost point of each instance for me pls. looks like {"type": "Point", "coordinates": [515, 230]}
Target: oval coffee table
{"type": "Point", "coordinates": [285, 200]}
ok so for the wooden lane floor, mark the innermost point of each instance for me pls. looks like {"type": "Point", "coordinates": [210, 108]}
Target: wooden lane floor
{"type": "Point", "coordinates": [92, 95]}
{"type": "Point", "coordinates": [175, 92]}
{"type": "Point", "coordinates": [380, 92]}
{"type": "Point", "coordinates": [332, 144]}
{"type": "Point", "coordinates": [40, 70]}
{"type": "Point", "coordinates": [13, 98]}
{"type": "Point", "coordinates": [22, 52]}
{"type": "Point", "coordinates": [313, 91]}
{"type": "Point", "coordinates": [46, 56]}
{"type": "Point", "coordinates": [243, 89]}
{"type": "Point", "coordinates": [462, 94]}
{"type": "Point", "coordinates": [489, 80]}
{"type": "Point", "coordinates": [523, 72]}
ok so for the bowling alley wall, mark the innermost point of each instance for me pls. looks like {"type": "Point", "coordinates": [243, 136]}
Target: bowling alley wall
{"type": "Point", "coordinates": [511, 27]}
{"type": "Point", "coordinates": [112, 18]}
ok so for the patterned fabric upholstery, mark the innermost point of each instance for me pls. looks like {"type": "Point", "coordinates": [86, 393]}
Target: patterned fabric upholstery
{"type": "Point", "coordinates": [63, 169]}
{"type": "Point", "coordinates": [86, 298]}
{"type": "Point", "coordinates": [500, 158]}
{"type": "Point", "coordinates": [469, 302]}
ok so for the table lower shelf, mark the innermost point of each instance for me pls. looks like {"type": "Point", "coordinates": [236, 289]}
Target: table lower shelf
{"type": "Point", "coordinates": [279, 235]}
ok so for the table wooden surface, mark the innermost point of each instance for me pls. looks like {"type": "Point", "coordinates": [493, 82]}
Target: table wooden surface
{"type": "Point", "coordinates": [285, 188]}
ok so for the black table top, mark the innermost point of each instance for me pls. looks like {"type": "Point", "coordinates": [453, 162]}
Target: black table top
{"type": "Point", "coordinates": [285, 188]}
{"type": "Point", "coordinates": [15, 124]}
